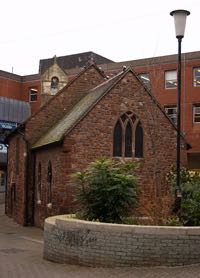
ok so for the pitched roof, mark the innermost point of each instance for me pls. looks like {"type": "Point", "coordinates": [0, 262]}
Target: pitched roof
{"type": "Point", "coordinates": [73, 61]}
{"type": "Point", "coordinates": [74, 116]}
{"type": "Point", "coordinates": [67, 86]}
{"type": "Point", "coordinates": [57, 132]}
{"type": "Point", "coordinates": [43, 107]}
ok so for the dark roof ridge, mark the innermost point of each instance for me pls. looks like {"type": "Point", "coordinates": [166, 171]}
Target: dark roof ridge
{"type": "Point", "coordinates": [65, 55]}
{"type": "Point", "coordinates": [74, 54]}
{"type": "Point", "coordinates": [76, 60]}
{"type": "Point", "coordinates": [54, 62]}
{"type": "Point", "coordinates": [10, 75]}
{"type": "Point", "coordinates": [162, 58]}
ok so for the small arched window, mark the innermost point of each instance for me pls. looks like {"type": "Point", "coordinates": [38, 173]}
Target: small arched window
{"type": "Point", "coordinates": [128, 140]}
{"type": "Point", "coordinates": [54, 82]}
{"type": "Point", "coordinates": [139, 141]}
{"type": "Point", "coordinates": [117, 142]}
{"type": "Point", "coordinates": [128, 137]}
{"type": "Point", "coordinates": [49, 180]}
{"type": "Point", "coordinates": [39, 183]}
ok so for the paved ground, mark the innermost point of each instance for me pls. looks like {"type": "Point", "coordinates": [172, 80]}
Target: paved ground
{"type": "Point", "coordinates": [21, 257]}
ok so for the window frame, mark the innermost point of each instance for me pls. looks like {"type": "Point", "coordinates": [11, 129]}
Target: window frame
{"type": "Point", "coordinates": [146, 83]}
{"type": "Point", "coordinates": [39, 182]}
{"type": "Point", "coordinates": [171, 107]}
{"type": "Point", "coordinates": [194, 78]}
{"type": "Point", "coordinates": [172, 80]}
{"type": "Point", "coordinates": [127, 122]}
{"type": "Point", "coordinates": [193, 113]}
{"type": "Point", "coordinates": [49, 182]}
{"type": "Point", "coordinates": [33, 92]}
{"type": "Point", "coordinates": [54, 84]}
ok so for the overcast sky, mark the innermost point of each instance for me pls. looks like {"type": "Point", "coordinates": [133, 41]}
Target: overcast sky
{"type": "Point", "coordinates": [119, 30]}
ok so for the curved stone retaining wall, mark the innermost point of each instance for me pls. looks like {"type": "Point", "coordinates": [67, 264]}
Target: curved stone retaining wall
{"type": "Point", "coordinates": [97, 244]}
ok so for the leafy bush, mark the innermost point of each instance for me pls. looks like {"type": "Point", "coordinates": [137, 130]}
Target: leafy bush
{"type": "Point", "coordinates": [107, 190]}
{"type": "Point", "coordinates": [190, 203]}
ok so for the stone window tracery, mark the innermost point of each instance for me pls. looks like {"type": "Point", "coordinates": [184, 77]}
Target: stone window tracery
{"type": "Point", "coordinates": [128, 137]}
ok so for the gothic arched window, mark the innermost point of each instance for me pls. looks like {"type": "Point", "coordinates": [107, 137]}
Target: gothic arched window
{"type": "Point", "coordinates": [139, 140]}
{"type": "Point", "coordinates": [128, 140]}
{"type": "Point", "coordinates": [39, 183]}
{"type": "Point", "coordinates": [117, 142]}
{"type": "Point", "coordinates": [128, 137]}
{"type": "Point", "coordinates": [49, 180]}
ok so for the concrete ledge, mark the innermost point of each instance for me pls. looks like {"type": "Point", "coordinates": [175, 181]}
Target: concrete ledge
{"type": "Point", "coordinates": [68, 240]}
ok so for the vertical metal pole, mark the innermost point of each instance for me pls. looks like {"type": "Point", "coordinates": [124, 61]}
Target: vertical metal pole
{"type": "Point", "coordinates": [178, 185]}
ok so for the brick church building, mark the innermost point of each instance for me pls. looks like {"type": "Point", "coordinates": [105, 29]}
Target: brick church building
{"type": "Point", "coordinates": [92, 115]}
{"type": "Point", "coordinates": [158, 73]}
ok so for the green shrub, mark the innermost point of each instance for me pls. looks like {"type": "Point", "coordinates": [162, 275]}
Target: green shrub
{"type": "Point", "coordinates": [190, 203]}
{"type": "Point", "coordinates": [107, 190]}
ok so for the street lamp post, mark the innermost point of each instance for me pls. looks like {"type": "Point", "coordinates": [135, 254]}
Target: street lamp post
{"type": "Point", "coordinates": [179, 21]}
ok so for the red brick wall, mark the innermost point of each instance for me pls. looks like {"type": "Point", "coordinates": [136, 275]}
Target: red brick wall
{"type": "Point", "coordinates": [10, 88]}
{"type": "Point", "coordinates": [61, 194]}
{"type": "Point", "coordinates": [94, 135]}
{"type": "Point", "coordinates": [189, 95]}
{"type": "Point", "coordinates": [16, 179]}
{"type": "Point", "coordinates": [92, 138]}
{"type": "Point", "coordinates": [20, 91]}
{"type": "Point", "coordinates": [36, 84]}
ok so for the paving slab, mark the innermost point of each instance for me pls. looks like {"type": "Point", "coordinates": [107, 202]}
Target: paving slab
{"type": "Point", "coordinates": [21, 250]}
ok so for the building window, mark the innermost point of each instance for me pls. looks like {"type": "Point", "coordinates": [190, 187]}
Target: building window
{"type": "Point", "coordinates": [54, 82]}
{"type": "Point", "coordinates": [49, 181]}
{"type": "Point", "coordinates": [144, 77]}
{"type": "Point", "coordinates": [139, 140]}
{"type": "Point", "coordinates": [117, 145]}
{"type": "Point", "coordinates": [39, 179]}
{"type": "Point", "coordinates": [128, 140]}
{"type": "Point", "coordinates": [196, 113]}
{"type": "Point", "coordinates": [170, 79]}
{"type": "Point", "coordinates": [128, 137]}
{"type": "Point", "coordinates": [196, 77]}
{"type": "Point", "coordinates": [33, 95]}
{"type": "Point", "coordinates": [194, 161]}
{"type": "Point", "coordinates": [171, 111]}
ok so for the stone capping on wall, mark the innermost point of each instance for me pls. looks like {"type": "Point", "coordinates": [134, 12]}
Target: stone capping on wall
{"type": "Point", "coordinates": [68, 240]}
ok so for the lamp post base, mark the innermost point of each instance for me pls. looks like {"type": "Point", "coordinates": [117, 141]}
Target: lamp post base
{"type": "Point", "coordinates": [177, 202]}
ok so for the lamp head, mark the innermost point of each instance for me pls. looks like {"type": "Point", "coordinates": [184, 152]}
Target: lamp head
{"type": "Point", "coordinates": [180, 21]}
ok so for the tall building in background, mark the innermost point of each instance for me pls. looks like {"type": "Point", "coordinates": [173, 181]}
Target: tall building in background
{"type": "Point", "coordinates": [159, 74]}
